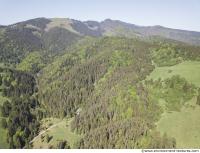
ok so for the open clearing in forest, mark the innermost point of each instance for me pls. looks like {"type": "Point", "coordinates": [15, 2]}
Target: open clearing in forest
{"type": "Point", "coordinates": [58, 129]}
{"type": "Point", "coordinates": [190, 70]}
{"type": "Point", "coordinates": [183, 126]}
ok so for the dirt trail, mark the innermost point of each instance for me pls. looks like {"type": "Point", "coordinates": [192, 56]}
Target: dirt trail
{"type": "Point", "coordinates": [44, 131]}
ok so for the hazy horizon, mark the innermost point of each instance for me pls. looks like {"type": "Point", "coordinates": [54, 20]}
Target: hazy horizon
{"type": "Point", "coordinates": [174, 14]}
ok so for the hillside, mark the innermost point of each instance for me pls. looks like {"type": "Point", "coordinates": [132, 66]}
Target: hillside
{"type": "Point", "coordinates": [71, 84]}
{"type": "Point", "coordinates": [56, 34]}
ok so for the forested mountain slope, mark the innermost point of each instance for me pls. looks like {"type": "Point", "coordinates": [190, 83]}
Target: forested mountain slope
{"type": "Point", "coordinates": [107, 75]}
{"type": "Point", "coordinates": [20, 39]}
{"type": "Point", "coordinates": [71, 84]}
{"type": "Point", "coordinates": [54, 35]}
{"type": "Point", "coordinates": [19, 108]}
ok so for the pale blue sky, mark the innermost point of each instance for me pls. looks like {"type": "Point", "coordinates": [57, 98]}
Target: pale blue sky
{"type": "Point", "coordinates": [180, 14]}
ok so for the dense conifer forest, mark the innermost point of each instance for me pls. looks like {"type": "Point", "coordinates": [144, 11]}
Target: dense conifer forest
{"type": "Point", "coordinates": [65, 85]}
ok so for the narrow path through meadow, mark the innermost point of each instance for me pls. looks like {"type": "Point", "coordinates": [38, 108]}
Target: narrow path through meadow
{"type": "Point", "coordinates": [44, 131]}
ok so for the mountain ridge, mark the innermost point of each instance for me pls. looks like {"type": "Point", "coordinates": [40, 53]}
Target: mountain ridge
{"type": "Point", "coordinates": [107, 19]}
{"type": "Point", "coordinates": [55, 35]}
{"type": "Point", "coordinates": [119, 28]}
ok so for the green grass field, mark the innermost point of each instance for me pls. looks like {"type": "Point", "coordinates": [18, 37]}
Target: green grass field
{"type": "Point", "coordinates": [190, 70]}
{"type": "Point", "coordinates": [60, 131]}
{"type": "Point", "coordinates": [183, 126]}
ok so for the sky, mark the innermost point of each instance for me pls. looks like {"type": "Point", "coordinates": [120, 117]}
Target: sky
{"type": "Point", "coordinates": [178, 14]}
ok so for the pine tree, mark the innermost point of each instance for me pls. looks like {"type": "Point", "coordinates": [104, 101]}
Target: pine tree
{"type": "Point", "coordinates": [198, 99]}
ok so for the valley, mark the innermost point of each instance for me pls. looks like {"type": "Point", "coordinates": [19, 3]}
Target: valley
{"type": "Point", "coordinates": [72, 84]}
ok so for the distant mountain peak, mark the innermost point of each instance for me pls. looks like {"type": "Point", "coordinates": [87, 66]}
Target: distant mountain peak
{"type": "Point", "coordinates": [108, 27]}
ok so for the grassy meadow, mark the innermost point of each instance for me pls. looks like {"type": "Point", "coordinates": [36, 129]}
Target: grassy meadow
{"type": "Point", "coordinates": [190, 70]}
{"type": "Point", "coordinates": [57, 129]}
{"type": "Point", "coordinates": [183, 126]}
